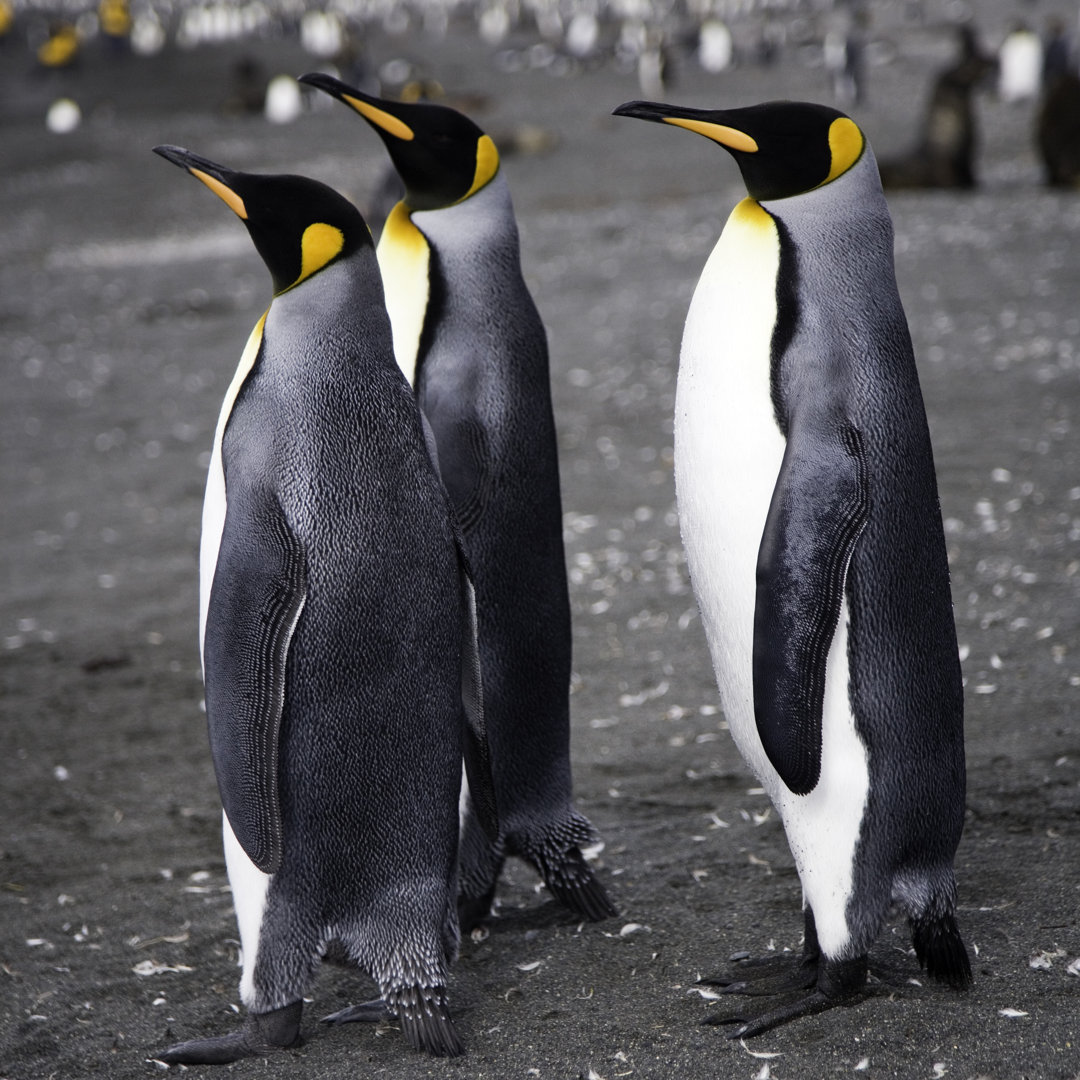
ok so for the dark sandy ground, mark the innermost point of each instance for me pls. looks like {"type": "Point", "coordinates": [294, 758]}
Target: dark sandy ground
{"type": "Point", "coordinates": [126, 295]}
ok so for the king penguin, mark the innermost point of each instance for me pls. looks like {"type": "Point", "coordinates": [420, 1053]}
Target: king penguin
{"type": "Point", "coordinates": [809, 511]}
{"type": "Point", "coordinates": [468, 336]}
{"type": "Point", "coordinates": [336, 633]}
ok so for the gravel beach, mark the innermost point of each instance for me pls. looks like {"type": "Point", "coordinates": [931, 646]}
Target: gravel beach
{"type": "Point", "coordinates": [126, 296]}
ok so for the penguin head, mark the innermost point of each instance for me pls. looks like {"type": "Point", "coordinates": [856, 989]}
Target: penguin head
{"type": "Point", "coordinates": [298, 225]}
{"type": "Point", "coordinates": [782, 148]}
{"type": "Point", "coordinates": [441, 156]}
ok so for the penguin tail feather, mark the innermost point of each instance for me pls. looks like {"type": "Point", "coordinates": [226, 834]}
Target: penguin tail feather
{"type": "Point", "coordinates": [941, 950]}
{"type": "Point", "coordinates": [575, 886]}
{"type": "Point", "coordinates": [425, 1020]}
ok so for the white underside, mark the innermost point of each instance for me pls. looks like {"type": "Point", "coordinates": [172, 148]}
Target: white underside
{"type": "Point", "coordinates": [249, 888]}
{"type": "Point", "coordinates": [248, 883]}
{"type": "Point", "coordinates": [214, 501]}
{"type": "Point", "coordinates": [728, 452]}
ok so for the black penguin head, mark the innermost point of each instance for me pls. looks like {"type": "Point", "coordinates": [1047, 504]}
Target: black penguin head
{"type": "Point", "coordinates": [297, 225]}
{"type": "Point", "coordinates": [441, 156]}
{"type": "Point", "coordinates": [782, 148]}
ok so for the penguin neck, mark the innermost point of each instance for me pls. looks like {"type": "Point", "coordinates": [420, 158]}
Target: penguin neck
{"type": "Point", "coordinates": [853, 204]}
{"type": "Point", "coordinates": [324, 307]}
{"type": "Point", "coordinates": [838, 235]}
{"type": "Point", "coordinates": [330, 293]}
{"type": "Point", "coordinates": [481, 221]}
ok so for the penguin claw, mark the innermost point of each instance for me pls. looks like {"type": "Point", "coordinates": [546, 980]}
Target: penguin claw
{"type": "Point", "coordinates": [719, 1020]}
{"type": "Point", "coordinates": [733, 987]}
{"type": "Point", "coordinates": [222, 1050]}
{"type": "Point", "coordinates": [812, 1003]}
{"type": "Point", "coordinates": [367, 1012]}
{"type": "Point", "coordinates": [765, 977]}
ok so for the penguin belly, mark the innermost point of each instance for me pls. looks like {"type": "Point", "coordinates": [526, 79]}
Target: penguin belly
{"type": "Point", "coordinates": [728, 453]}
{"type": "Point", "coordinates": [248, 883]}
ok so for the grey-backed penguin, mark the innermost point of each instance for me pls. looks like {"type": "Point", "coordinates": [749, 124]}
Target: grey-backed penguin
{"type": "Point", "coordinates": [335, 629]}
{"type": "Point", "coordinates": [808, 506]}
{"type": "Point", "coordinates": [468, 335]}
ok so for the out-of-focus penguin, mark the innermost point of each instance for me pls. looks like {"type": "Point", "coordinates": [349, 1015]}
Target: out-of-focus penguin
{"type": "Point", "coordinates": [468, 336]}
{"type": "Point", "coordinates": [341, 678]}
{"type": "Point", "coordinates": [809, 510]}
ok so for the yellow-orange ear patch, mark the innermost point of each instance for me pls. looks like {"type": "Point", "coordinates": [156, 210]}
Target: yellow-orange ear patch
{"type": "Point", "coordinates": [319, 244]}
{"type": "Point", "coordinates": [226, 194]}
{"type": "Point", "coordinates": [846, 144]}
{"type": "Point", "coordinates": [487, 165]}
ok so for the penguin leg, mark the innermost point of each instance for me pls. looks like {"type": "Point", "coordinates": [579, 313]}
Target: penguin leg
{"type": "Point", "coordinates": [839, 982]}
{"type": "Point", "coordinates": [480, 863]}
{"type": "Point", "coordinates": [262, 1033]}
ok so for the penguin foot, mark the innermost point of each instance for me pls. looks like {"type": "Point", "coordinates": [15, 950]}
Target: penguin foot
{"type": "Point", "coordinates": [425, 1020]}
{"type": "Point", "coordinates": [262, 1033]}
{"type": "Point", "coordinates": [473, 910]}
{"type": "Point", "coordinates": [766, 976]}
{"type": "Point", "coordinates": [368, 1012]}
{"type": "Point", "coordinates": [572, 882]}
{"type": "Point", "coordinates": [838, 982]}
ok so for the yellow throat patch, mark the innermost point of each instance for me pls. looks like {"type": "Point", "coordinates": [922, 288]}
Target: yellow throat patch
{"type": "Point", "coordinates": [404, 260]}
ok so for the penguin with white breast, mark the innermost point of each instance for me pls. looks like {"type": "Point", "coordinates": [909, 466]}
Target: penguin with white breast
{"type": "Point", "coordinates": [335, 628]}
{"type": "Point", "coordinates": [809, 511]}
{"type": "Point", "coordinates": [469, 337]}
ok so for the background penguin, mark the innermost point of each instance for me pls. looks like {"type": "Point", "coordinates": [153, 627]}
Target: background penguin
{"type": "Point", "coordinates": [468, 336]}
{"type": "Point", "coordinates": [808, 506]}
{"type": "Point", "coordinates": [334, 631]}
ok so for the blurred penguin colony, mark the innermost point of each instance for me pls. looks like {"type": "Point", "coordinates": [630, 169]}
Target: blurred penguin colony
{"type": "Point", "coordinates": [1027, 56]}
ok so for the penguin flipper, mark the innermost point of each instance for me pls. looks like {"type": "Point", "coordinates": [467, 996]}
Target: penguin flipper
{"type": "Point", "coordinates": [818, 510]}
{"type": "Point", "coordinates": [465, 467]}
{"type": "Point", "coordinates": [257, 595]}
{"type": "Point", "coordinates": [477, 750]}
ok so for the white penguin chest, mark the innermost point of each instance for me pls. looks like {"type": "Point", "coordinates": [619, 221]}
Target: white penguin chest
{"type": "Point", "coordinates": [214, 499]}
{"type": "Point", "coordinates": [728, 448]}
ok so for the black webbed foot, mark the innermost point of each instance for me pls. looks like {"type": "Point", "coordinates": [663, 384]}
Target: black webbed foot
{"type": "Point", "coordinates": [837, 982]}
{"type": "Point", "coordinates": [766, 976]}
{"type": "Point", "coordinates": [262, 1033]}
